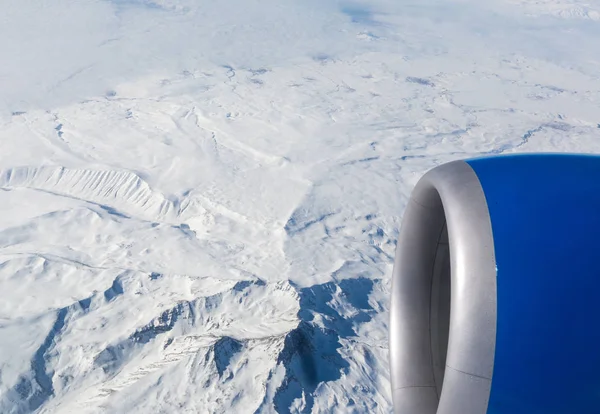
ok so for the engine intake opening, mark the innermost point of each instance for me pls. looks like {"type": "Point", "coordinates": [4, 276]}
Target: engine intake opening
{"type": "Point", "coordinates": [440, 309]}
{"type": "Point", "coordinates": [443, 308]}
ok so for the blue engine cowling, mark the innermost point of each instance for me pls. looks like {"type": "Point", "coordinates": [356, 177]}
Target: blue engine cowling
{"type": "Point", "coordinates": [496, 289]}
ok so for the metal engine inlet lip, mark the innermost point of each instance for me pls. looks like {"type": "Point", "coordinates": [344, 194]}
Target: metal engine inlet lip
{"type": "Point", "coordinates": [447, 197]}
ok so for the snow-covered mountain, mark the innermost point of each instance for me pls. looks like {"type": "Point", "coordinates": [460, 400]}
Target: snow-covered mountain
{"type": "Point", "coordinates": [200, 200]}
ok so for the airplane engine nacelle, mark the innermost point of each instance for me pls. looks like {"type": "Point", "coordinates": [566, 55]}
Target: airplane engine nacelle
{"type": "Point", "coordinates": [496, 289]}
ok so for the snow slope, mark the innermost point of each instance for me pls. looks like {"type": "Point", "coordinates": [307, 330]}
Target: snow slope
{"type": "Point", "coordinates": [200, 200]}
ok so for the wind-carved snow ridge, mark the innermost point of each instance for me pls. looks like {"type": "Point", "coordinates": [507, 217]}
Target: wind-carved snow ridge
{"type": "Point", "coordinates": [118, 192]}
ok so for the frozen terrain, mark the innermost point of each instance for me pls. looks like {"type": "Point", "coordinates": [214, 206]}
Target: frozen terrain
{"type": "Point", "coordinates": [199, 200]}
